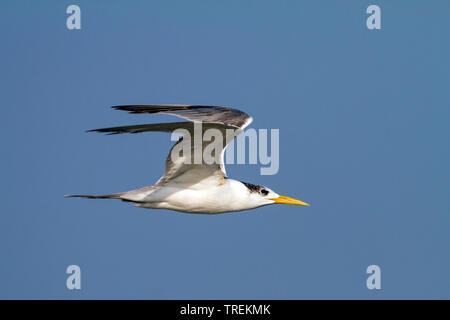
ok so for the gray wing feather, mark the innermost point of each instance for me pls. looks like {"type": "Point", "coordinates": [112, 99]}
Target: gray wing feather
{"type": "Point", "coordinates": [212, 114]}
{"type": "Point", "coordinates": [158, 127]}
{"type": "Point", "coordinates": [221, 118]}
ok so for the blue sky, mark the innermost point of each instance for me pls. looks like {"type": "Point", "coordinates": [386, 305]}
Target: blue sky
{"type": "Point", "coordinates": [363, 118]}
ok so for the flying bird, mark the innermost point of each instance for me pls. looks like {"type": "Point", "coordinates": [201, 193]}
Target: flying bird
{"type": "Point", "coordinates": [195, 187]}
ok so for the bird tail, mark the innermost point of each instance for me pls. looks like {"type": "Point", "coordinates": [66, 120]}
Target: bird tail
{"type": "Point", "coordinates": [89, 196]}
{"type": "Point", "coordinates": [137, 195]}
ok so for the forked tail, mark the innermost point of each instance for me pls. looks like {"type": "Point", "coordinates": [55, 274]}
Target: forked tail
{"type": "Point", "coordinates": [89, 196]}
{"type": "Point", "coordinates": [137, 195]}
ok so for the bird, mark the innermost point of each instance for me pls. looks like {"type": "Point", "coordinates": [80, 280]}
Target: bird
{"type": "Point", "coordinates": [203, 187]}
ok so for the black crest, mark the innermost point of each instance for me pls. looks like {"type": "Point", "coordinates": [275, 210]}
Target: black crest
{"type": "Point", "coordinates": [252, 187]}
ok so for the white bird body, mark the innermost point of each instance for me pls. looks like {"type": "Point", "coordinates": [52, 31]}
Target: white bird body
{"type": "Point", "coordinates": [189, 186]}
{"type": "Point", "coordinates": [206, 196]}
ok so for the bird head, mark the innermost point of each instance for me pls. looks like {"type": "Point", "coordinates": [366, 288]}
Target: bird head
{"type": "Point", "coordinates": [261, 195]}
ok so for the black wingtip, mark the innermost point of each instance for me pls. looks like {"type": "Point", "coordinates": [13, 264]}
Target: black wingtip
{"type": "Point", "coordinates": [130, 108]}
{"type": "Point", "coordinates": [95, 130]}
{"type": "Point", "coordinates": [107, 131]}
{"type": "Point", "coordinates": [125, 108]}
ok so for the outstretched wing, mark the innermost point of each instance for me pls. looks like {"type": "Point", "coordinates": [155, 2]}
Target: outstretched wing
{"type": "Point", "coordinates": [212, 114]}
{"type": "Point", "coordinates": [181, 169]}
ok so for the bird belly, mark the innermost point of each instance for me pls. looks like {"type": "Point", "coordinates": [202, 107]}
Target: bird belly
{"type": "Point", "coordinates": [207, 201]}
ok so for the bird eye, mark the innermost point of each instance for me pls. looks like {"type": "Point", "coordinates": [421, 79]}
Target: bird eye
{"type": "Point", "coordinates": [264, 192]}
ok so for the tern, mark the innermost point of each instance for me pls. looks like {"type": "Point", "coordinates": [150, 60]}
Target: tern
{"type": "Point", "coordinates": [200, 187]}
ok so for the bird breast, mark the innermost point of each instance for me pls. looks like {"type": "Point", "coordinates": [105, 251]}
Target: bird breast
{"type": "Point", "coordinates": [225, 197]}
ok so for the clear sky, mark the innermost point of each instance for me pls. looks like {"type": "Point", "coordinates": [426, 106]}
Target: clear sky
{"type": "Point", "coordinates": [364, 137]}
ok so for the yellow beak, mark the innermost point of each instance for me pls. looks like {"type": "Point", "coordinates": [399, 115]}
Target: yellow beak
{"type": "Point", "coordinates": [288, 200]}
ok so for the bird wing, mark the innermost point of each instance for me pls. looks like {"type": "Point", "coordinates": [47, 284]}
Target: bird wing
{"type": "Point", "coordinates": [178, 170]}
{"type": "Point", "coordinates": [212, 114]}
